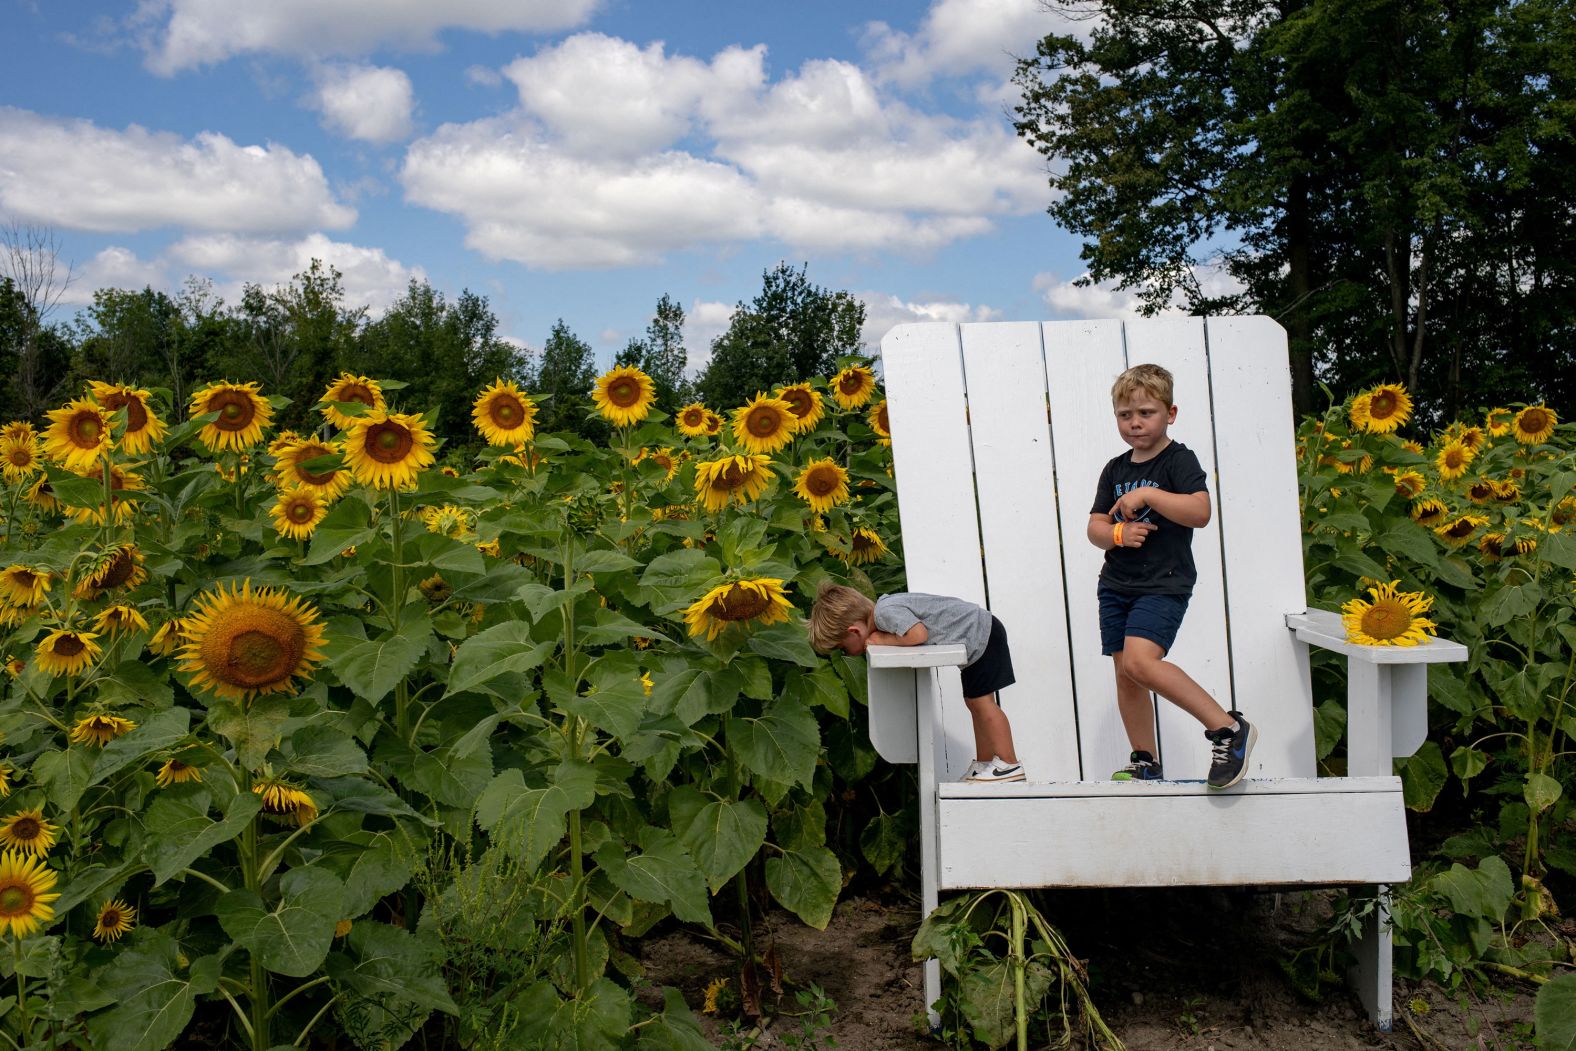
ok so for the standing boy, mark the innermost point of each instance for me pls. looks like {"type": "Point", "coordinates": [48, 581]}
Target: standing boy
{"type": "Point", "coordinates": [843, 619]}
{"type": "Point", "coordinates": [1149, 502]}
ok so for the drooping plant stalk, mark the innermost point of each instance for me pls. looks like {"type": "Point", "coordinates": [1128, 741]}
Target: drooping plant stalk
{"type": "Point", "coordinates": [257, 993]}
{"type": "Point", "coordinates": [573, 731]}
{"type": "Point", "coordinates": [396, 608]}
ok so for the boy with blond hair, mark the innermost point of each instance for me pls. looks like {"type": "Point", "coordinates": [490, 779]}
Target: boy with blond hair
{"type": "Point", "coordinates": [843, 619]}
{"type": "Point", "coordinates": [1149, 501]}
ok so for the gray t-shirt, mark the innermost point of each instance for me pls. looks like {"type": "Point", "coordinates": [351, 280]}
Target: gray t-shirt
{"type": "Point", "coordinates": [946, 619]}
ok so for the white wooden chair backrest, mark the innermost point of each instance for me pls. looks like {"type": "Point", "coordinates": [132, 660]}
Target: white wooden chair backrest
{"type": "Point", "coordinates": [999, 434]}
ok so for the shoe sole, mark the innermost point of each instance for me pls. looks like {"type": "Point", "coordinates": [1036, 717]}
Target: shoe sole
{"type": "Point", "coordinates": [1019, 776]}
{"type": "Point", "coordinates": [1247, 753]}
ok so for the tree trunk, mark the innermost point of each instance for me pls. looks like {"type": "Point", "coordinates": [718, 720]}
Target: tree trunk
{"type": "Point", "coordinates": [1297, 316]}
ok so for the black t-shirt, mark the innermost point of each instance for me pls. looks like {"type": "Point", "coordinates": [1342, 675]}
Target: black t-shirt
{"type": "Point", "coordinates": [1164, 565]}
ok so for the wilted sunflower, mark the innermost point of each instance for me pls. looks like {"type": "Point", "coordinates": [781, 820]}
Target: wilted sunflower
{"type": "Point", "coordinates": [18, 458]}
{"type": "Point", "coordinates": [1457, 532]}
{"type": "Point", "coordinates": [388, 451]}
{"type": "Point", "coordinates": [1506, 491]}
{"type": "Point", "coordinates": [7, 772]}
{"type": "Point", "coordinates": [663, 458]}
{"type": "Point", "coordinates": [24, 585]}
{"type": "Point", "coordinates": [143, 428]}
{"type": "Point", "coordinates": [760, 600]}
{"type": "Point", "coordinates": [879, 421]}
{"type": "Point", "coordinates": [78, 436]}
{"type": "Point", "coordinates": [1453, 460]}
{"type": "Point", "coordinates": [121, 482]}
{"type": "Point", "coordinates": [490, 547]}
{"type": "Point", "coordinates": [1385, 408]}
{"type": "Point", "coordinates": [624, 395]}
{"type": "Point", "coordinates": [448, 520]}
{"type": "Point", "coordinates": [806, 403]}
{"type": "Point", "coordinates": [66, 652]}
{"type": "Point", "coordinates": [1563, 514]}
{"type": "Point", "coordinates": [1497, 422]}
{"type": "Point", "coordinates": [1392, 618]}
{"type": "Point", "coordinates": [1473, 438]}
{"type": "Point", "coordinates": [100, 730]}
{"type": "Point", "coordinates": [865, 545]}
{"type": "Point", "coordinates": [732, 479]}
{"type": "Point", "coordinates": [166, 641]}
{"type": "Point", "coordinates": [853, 387]}
{"type": "Point", "coordinates": [1532, 425]}
{"type": "Point", "coordinates": [1409, 484]}
{"type": "Point", "coordinates": [119, 619]}
{"type": "Point", "coordinates": [11, 616]}
{"type": "Point", "coordinates": [176, 772]}
{"type": "Point", "coordinates": [27, 887]}
{"type": "Point", "coordinates": [503, 415]}
{"type": "Point", "coordinates": [118, 566]}
{"type": "Point", "coordinates": [692, 420]}
{"type": "Point", "coordinates": [823, 484]}
{"type": "Point", "coordinates": [714, 423]}
{"type": "Point", "coordinates": [14, 667]}
{"type": "Point", "coordinates": [297, 512]}
{"type": "Point", "coordinates": [286, 800]}
{"type": "Point", "coordinates": [1494, 546]}
{"type": "Point", "coordinates": [1480, 491]}
{"type": "Point", "coordinates": [27, 832]}
{"type": "Point", "coordinates": [114, 919]}
{"type": "Point", "coordinates": [18, 430]}
{"type": "Point", "coordinates": [312, 464]}
{"type": "Point", "coordinates": [42, 495]}
{"type": "Point", "coordinates": [243, 413]}
{"type": "Point", "coordinates": [764, 424]}
{"type": "Point", "coordinates": [241, 643]}
{"type": "Point", "coordinates": [348, 388]}
{"type": "Point", "coordinates": [1412, 446]}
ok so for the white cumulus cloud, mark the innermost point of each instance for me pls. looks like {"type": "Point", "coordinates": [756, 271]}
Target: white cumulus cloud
{"type": "Point", "coordinates": [962, 37]}
{"type": "Point", "coordinates": [1067, 299]}
{"type": "Point", "coordinates": [883, 311]}
{"type": "Point", "coordinates": [77, 175]}
{"type": "Point", "coordinates": [182, 34]}
{"type": "Point", "coordinates": [369, 276]}
{"type": "Point", "coordinates": [114, 267]}
{"type": "Point", "coordinates": [371, 103]}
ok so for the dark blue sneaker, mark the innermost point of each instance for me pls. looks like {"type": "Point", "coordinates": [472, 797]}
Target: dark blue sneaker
{"type": "Point", "coordinates": [1141, 766]}
{"type": "Point", "coordinates": [1229, 752]}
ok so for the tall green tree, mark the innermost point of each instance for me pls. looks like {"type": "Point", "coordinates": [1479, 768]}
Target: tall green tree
{"type": "Point", "coordinates": [564, 376]}
{"type": "Point", "coordinates": [661, 354]}
{"type": "Point", "coordinates": [792, 330]}
{"type": "Point", "coordinates": [1385, 177]}
{"type": "Point", "coordinates": [125, 336]}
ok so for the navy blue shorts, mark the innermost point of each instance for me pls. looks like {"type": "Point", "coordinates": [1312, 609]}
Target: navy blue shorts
{"type": "Point", "coordinates": [1153, 617]}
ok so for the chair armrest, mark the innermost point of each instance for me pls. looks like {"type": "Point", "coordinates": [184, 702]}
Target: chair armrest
{"type": "Point", "coordinates": [1323, 628]}
{"type": "Point", "coordinates": [916, 656]}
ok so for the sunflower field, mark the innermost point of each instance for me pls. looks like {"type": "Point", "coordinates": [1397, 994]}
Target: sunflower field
{"type": "Point", "coordinates": [337, 737]}
{"type": "Point", "coordinates": [1468, 533]}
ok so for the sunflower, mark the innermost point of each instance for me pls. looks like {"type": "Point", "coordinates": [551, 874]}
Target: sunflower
{"type": "Point", "coordinates": [1563, 514]}
{"type": "Point", "coordinates": [503, 415]}
{"type": "Point", "coordinates": [343, 928]}
{"type": "Point", "coordinates": [1473, 438]}
{"type": "Point", "coordinates": [806, 403]}
{"type": "Point", "coordinates": [19, 458]}
{"type": "Point", "coordinates": [114, 919]}
{"type": "Point", "coordinates": [11, 616]}
{"type": "Point", "coordinates": [297, 512]}
{"type": "Point", "coordinates": [143, 428]}
{"type": "Point", "coordinates": [1480, 491]}
{"type": "Point", "coordinates": [491, 547]}
{"type": "Point", "coordinates": [1392, 618]}
{"type": "Point", "coordinates": [18, 430]}
{"type": "Point", "coordinates": [282, 441]}
{"type": "Point", "coordinates": [27, 832]}
{"type": "Point", "coordinates": [119, 619]}
{"type": "Point", "coordinates": [1507, 491]}
{"type": "Point", "coordinates": [1453, 460]}
{"type": "Point", "coordinates": [66, 652]}
{"type": "Point", "coordinates": [624, 396]}
{"type": "Point", "coordinates": [349, 388]}
{"type": "Point", "coordinates": [663, 458]}
{"type": "Point", "coordinates": [1494, 546]}
{"type": "Point", "coordinates": [865, 545]}
{"type": "Point", "coordinates": [42, 495]}
{"type": "Point", "coordinates": [1497, 422]}
{"type": "Point", "coordinates": [6, 773]}
{"type": "Point", "coordinates": [714, 423]}
{"type": "Point", "coordinates": [27, 886]}
{"type": "Point", "coordinates": [119, 566]}
{"type": "Point", "coordinates": [765, 424]}
{"type": "Point", "coordinates": [1409, 484]}
{"type": "Point", "coordinates": [388, 450]}
{"type": "Point", "coordinates": [121, 482]}
{"type": "Point", "coordinates": [692, 420]}
{"type": "Point", "coordinates": [1532, 425]}
{"type": "Point", "coordinates": [176, 772]}
{"type": "Point", "coordinates": [449, 521]}
{"type": "Point", "coordinates": [100, 730]}
{"type": "Point", "coordinates": [738, 479]}
{"type": "Point", "coordinates": [286, 800]}
{"type": "Point", "coordinates": [305, 462]}
{"type": "Point", "coordinates": [78, 436]}
{"type": "Point", "coordinates": [24, 585]}
{"type": "Point", "coordinates": [14, 667]}
{"type": "Point", "coordinates": [1457, 532]}
{"type": "Point", "coordinates": [1412, 446]}
{"type": "Point", "coordinates": [1385, 408]}
{"type": "Point", "coordinates": [823, 484]}
{"type": "Point", "coordinates": [243, 413]}
{"type": "Point", "coordinates": [853, 387]}
{"type": "Point", "coordinates": [240, 643]}
{"type": "Point", "coordinates": [760, 600]}
{"type": "Point", "coordinates": [878, 419]}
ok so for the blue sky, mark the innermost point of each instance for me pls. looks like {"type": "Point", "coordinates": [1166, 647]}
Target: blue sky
{"type": "Point", "coordinates": [564, 158]}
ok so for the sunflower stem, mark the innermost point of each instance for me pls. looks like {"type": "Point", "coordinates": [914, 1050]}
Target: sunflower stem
{"type": "Point", "coordinates": [258, 992]}
{"type": "Point", "coordinates": [21, 989]}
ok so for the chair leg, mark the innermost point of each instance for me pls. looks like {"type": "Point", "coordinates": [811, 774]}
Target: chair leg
{"type": "Point", "coordinates": [1372, 976]}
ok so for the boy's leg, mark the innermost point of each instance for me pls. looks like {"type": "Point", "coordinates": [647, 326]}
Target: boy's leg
{"type": "Point", "coordinates": [992, 731]}
{"type": "Point", "coordinates": [1137, 710]}
{"type": "Point", "coordinates": [1144, 663]}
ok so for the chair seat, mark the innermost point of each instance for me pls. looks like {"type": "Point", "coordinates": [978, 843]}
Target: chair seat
{"type": "Point", "coordinates": [1280, 831]}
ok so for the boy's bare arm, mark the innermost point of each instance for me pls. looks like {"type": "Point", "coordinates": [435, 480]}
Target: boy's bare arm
{"type": "Point", "coordinates": [1102, 532]}
{"type": "Point", "coordinates": [915, 636]}
{"type": "Point", "coordinates": [1186, 509]}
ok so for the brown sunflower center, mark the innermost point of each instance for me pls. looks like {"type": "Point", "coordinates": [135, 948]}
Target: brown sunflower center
{"type": "Point", "coordinates": [356, 392]}
{"type": "Point", "coordinates": [864, 543]}
{"type": "Point", "coordinates": [85, 429]}
{"type": "Point", "coordinates": [1383, 405]}
{"type": "Point", "coordinates": [1460, 528]}
{"type": "Point", "coordinates": [506, 411]}
{"type": "Point", "coordinates": [118, 571]}
{"type": "Point", "coordinates": [1385, 620]}
{"type": "Point", "coordinates": [136, 412]}
{"type": "Point", "coordinates": [763, 422]}
{"type": "Point", "coordinates": [851, 383]}
{"type": "Point", "coordinates": [1455, 457]}
{"type": "Point", "coordinates": [24, 578]}
{"type": "Point", "coordinates": [19, 455]}
{"type": "Point", "coordinates": [881, 419]}
{"type": "Point", "coordinates": [301, 511]}
{"type": "Point", "coordinates": [110, 919]}
{"type": "Point", "coordinates": [69, 646]}
{"type": "Point", "coordinates": [16, 899]}
{"type": "Point", "coordinates": [25, 829]}
{"type": "Point", "coordinates": [799, 401]}
{"type": "Point", "coordinates": [623, 392]}
{"type": "Point", "coordinates": [740, 603]}
{"type": "Point", "coordinates": [313, 452]}
{"type": "Point", "coordinates": [389, 442]}
{"type": "Point", "coordinates": [1534, 420]}
{"type": "Point", "coordinates": [265, 648]}
{"type": "Point", "coordinates": [1479, 491]}
{"type": "Point", "coordinates": [732, 477]}
{"type": "Point", "coordinates": [821, 481]}
{"type": "Point", "coordinates": [695, 418]}
{"type": "Point", "coordinates": [235, 410]}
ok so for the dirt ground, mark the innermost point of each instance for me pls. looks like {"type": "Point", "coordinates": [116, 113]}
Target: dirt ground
{"type": "Point", "coordinates": [1177, 971]}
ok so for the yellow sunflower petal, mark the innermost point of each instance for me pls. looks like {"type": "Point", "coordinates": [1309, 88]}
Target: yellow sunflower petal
{"type": "Point", "coordinates": [624, 395]}
{"type": "Point", "coordinates": [241, 643]}
{"type": "Point", "coordinates": [351, 389]}
{"type": "Point", "coordinates": [765, 424]}
{"type": "Point", "coordinates": [388, 450]}
{"type": "Point", "coordinates": [27, 888]}
{"type": "Point", "coordinates": [760, 600]}
{"type": "Point", "coordinates": [243, 415]}
{"type": "Point", "coordinates": [503, 415]}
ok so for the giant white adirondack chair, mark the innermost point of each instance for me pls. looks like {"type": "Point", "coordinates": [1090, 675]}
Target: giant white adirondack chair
{"type": "Point", "coordinates": [999, 432]}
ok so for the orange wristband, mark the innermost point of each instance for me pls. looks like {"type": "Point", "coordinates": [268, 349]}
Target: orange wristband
{"type": "Point", "coordinates": [1116, 535]}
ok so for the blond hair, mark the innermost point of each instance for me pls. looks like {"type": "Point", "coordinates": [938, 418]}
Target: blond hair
{"type": "Point", "coordinates": [1151, 379]}
{"type": "Point", "coordinates": [837, 608]}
